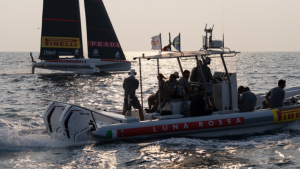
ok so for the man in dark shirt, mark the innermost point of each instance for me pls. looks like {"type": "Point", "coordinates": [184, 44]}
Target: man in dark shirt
{"type": "Point", "coordinates": [248, 101]}
{"type": "Point", "coordinates": [207, 75]}
{"type": "Point", "coordinates": [205, 70]}
{"type": "Point", "coordinates": [275, 96]}
{"type": "Point", "coordinates": [184, 82]}
{"type": "Point", "coordinates": [130, 84]}
{"type": "Point", "coordinates": [198, 106]}
{"type": "Point", "coordinates": [168, 92]}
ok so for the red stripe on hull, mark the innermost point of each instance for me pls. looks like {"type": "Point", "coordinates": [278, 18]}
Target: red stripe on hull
{"type": "Point", "coordinates": [119, 133]}
{"type": "Point", "coordinates": [183, 127]}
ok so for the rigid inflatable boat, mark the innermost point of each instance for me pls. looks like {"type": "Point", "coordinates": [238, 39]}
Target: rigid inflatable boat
{"type": "Point", "coordinates": [75, 123]}
{"type": "Point", "coordinates": [71, 122]}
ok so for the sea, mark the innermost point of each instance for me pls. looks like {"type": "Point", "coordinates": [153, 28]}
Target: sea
{"type": "Point", "coordinates": [24, 142]}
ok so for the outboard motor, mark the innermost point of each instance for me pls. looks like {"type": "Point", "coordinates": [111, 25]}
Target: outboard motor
{"type": "Point", "coordinates": [77, 123]}
{"type": "Point", "coordinates": [51, 118]}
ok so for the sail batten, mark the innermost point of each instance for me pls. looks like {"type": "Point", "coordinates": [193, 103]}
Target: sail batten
{"type": "Point", "coordinates": [61, 29]}
{"type": "Point", "coordinates": [101, 37]}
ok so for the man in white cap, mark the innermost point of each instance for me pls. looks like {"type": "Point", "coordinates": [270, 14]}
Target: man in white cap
{"type": "Point", "coordinates": [176, 76]}
{"type": "Point", "coordinates": [130, 84]}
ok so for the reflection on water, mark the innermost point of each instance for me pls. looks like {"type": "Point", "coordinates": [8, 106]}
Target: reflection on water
{"type": "Point", "coordinates": [24, 142]}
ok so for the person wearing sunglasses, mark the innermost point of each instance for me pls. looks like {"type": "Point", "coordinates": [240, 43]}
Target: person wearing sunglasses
{"type": "Point", "coordinates": [167, 92]}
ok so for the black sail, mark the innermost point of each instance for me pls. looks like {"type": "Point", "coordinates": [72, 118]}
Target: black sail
{"type": "Point", "coordinates": [61, 29]}
{"type": "Point", "coordinates": [102, 39]}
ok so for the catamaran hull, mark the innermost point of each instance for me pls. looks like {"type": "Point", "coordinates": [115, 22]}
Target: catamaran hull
{"type": "Point", "coordinates": [77, 123]}
{"type": "Point", "coordinates": [84, 64]}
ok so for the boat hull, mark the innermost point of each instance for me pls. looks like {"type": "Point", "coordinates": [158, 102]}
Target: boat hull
{"type": "Point", "coordinates": [75, 123]}
{"type": "Point", "coordinates": [84, 64]}
{"type": "Point", "coordinates": [203, 126]}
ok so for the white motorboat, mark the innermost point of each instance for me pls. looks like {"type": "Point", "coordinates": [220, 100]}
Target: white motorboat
{"type": "Point", "coordinates": [75, 123]}
{"type": "Point", "coordinates": [61, 39]}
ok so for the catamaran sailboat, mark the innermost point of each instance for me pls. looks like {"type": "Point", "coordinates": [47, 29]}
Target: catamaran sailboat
{"type": "Point", "coordinates": [75, 123]}
{"type": "Point", "coordinates": [61, 39]}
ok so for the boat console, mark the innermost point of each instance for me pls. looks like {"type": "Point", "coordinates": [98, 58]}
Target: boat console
{"type": "Point", "coordinates": [220, 90]}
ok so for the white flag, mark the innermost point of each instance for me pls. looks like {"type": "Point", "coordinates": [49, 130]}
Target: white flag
{"type": "Point", "coordinates": [155, 42]}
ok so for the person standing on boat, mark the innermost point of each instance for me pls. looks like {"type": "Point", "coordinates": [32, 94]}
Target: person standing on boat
{"type": "Point", "coordinates": [195, 73]}
{"type": "Point", "coordinates": [167, 92]}
{"type": "Point", "coordinates": [248, 101]}
{"type": "Point", "coordinates": [184, 82]}
{"type": "Point", "coordinates": [207, 78]}
{"type": "Point", "coordinates": [130, 84]}
{"type": "Point", "coordinates": [275, 96]}
{"type": "Point", "coordinates": [206, 70]}
{"type": "Point", "coordinates": [153, 97]}
{"type": "Point", "coordinates": [198, 106]}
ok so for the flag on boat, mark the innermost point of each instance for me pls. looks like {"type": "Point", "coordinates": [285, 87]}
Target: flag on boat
{"type": "Point", "coordinates": [167, 48]}
{"type": "Point", "coordinates": [176, 43]}
{"type": "Point", "coordinates": [155, 42]}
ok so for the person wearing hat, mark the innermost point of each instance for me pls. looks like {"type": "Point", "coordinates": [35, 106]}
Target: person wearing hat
{"type": "Point", "coordinates": [176, 76]}
{"type": "Point", "coordinates": [130, 84]}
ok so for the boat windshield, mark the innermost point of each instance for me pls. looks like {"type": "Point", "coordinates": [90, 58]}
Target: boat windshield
{"type": "Point", "coordinates": [216, 64]}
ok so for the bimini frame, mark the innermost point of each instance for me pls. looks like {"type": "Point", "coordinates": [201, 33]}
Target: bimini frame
{"type": "Point", "coordinates": [186, 54]}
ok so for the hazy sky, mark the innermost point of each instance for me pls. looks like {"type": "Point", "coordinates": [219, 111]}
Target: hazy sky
{"type": "Point", "coordinates": [256, 25]}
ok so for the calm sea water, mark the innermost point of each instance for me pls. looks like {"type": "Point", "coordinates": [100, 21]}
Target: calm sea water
{"type": "Point", "coordinates": [24, 142]}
